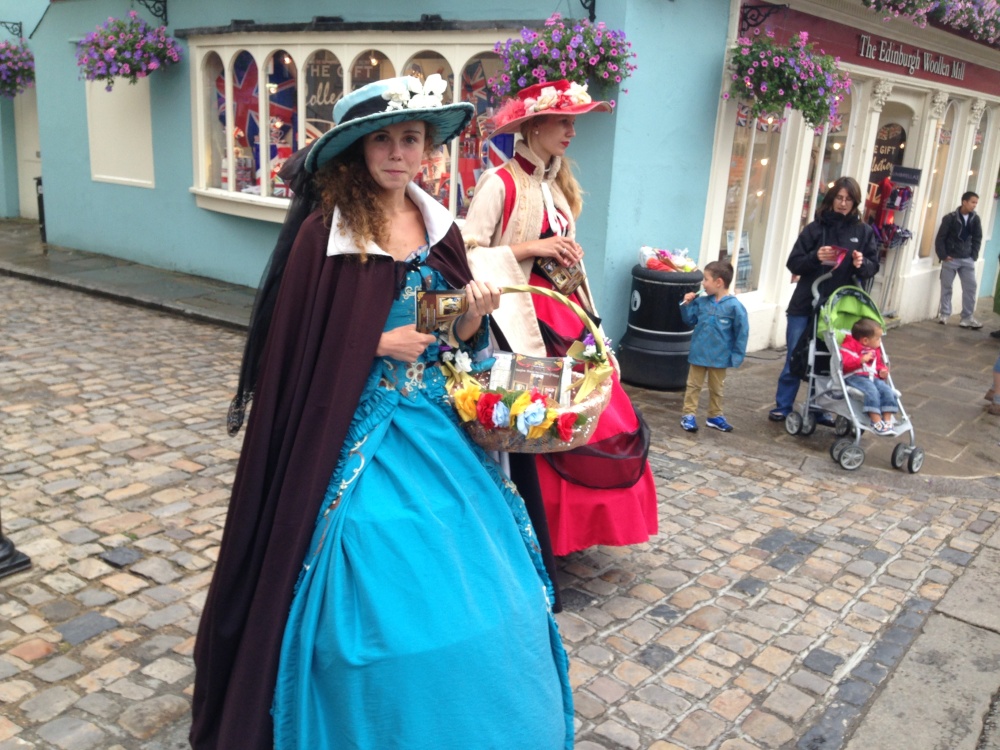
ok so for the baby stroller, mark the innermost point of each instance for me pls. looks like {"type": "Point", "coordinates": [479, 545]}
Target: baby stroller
{"type": "Point", "coordinates": [828, 392]}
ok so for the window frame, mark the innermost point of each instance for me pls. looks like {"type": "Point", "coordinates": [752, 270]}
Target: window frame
{"type": "Point", "coordinates": [458, 47]}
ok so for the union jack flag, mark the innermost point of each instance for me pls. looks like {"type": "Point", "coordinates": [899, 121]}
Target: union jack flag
{"type": "Point", "coordinates": [474, 86]}
{"type": "Point", "coordinates": [246, 102]}
{"type": "Point", "coordinates": [497, 150]}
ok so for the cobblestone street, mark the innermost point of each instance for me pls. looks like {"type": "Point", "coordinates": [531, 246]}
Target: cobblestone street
{"type": "Point", "coordinates": [770, 610]}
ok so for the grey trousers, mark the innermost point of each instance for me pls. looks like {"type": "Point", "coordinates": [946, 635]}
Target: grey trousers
{"type": "Point", "coordinates": [966, 270]}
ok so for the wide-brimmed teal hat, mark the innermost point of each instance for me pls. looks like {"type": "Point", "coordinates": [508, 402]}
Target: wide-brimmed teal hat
{"type": "Point", "coordinates": [387, 102]}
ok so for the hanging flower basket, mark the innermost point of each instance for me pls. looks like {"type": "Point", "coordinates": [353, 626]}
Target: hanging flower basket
{"type": "Point", "coordinates": [774, 77]}
{"type": "Point", "coordinates": [17, 68]}
{"type": "Point", "coordinates": [125, 49]}
{"type": "Point", "coordinates": [577, 51]}
{"type": "Point", "coordinates": [980, 20]}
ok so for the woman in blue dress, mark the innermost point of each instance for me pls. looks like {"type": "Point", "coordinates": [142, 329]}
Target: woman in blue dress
{"type": "Point", "coordinates": [421, 614]}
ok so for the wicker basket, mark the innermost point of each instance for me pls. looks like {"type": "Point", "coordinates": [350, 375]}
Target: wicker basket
{"type": "Point", "coordinates": [593, 391]}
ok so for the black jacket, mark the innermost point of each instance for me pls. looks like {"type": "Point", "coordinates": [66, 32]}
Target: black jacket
{"type": "Point", "coordinates": [831, 229]}
{"type": "Point", "coordinates": [949, 242]}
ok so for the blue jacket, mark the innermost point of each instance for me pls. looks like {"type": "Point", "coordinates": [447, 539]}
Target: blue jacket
{"type": "Point", "coordinates": [720, 331]}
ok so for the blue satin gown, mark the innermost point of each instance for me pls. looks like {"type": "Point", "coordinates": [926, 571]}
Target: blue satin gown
{"type": "Point", "coordinates": [422, 617]}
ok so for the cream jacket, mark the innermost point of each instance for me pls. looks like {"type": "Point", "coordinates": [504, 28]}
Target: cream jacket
{"type": "Point", "coordinates": [490, 255]}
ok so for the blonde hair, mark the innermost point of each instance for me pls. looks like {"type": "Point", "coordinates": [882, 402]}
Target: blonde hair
{"type": "Point", "coordinates": [564, 177]}
{"type": "Point", "coordinates": [345, 182]}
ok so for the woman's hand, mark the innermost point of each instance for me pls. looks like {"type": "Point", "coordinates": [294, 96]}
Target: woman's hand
{"type": "Point", "coordinates": [563, 249]}
{"type": "Point", "coordinates": [826, 254]}
{"type": "Point", "coordinates": [404, 344]}
{"type": "Point", "coordinates": [483, 298]}
{"type": "Point", "coordinates": [857, 258]}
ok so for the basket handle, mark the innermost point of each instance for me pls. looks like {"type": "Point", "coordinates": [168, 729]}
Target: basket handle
{"type": "Point", "coordinates": [595, 374]}
{"type": "Point", "coordinates": [562, 298]}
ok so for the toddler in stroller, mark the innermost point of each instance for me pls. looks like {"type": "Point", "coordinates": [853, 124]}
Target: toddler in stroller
{"type": "Point", "coordinates": [865, 369]}
{"type": "Point", "coordinates": [833, 374]}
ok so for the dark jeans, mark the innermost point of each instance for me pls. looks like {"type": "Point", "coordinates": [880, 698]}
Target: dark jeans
{"type": "Point", "coordinates": [788, 384]}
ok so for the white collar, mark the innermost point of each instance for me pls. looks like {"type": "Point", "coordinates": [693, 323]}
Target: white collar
{"type": "Point", "coordinates": [437, 222]}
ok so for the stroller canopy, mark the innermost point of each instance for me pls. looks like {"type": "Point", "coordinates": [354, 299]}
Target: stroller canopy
{"type": "Point", "coordinates": [845, 307]}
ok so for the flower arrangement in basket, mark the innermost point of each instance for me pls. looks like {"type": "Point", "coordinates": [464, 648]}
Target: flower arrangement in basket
{"type": "Point", "coordinates": [775, 77]}
{"type": "Point", "coordinates": [580, 52]}
{"type": "Point", "coordinates": [125, 48]}
{"type": "Point", "coordinates": [528, 421]}
{"type": "Point", "coordinates": [17, 68]}
{"type": "Point", "coordinates": [980, 19]}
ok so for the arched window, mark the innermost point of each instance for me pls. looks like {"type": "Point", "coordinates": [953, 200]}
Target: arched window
{"type": "Point", "coordinates": [282, 119]}
{"type": "Point", "coordinates": [942, 148]}
{"type": "Point", "coordinates": [748, 195]}
{"type": "Point", "coordinates": [978, 147]}
{"type": "Point", "coordinates": [324, 87]}
{"type": "Point", "coordinates": [216, 155]}
{"type": "Point", "coordinates": [371, 65]}
{"type": "Point", "coordinates": [473, 149]}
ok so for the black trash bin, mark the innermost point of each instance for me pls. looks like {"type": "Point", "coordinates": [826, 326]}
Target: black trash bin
{"type": "Point", "coordinates": [654, 350]}
{"type": "Point", "coordinates": [41, 207]}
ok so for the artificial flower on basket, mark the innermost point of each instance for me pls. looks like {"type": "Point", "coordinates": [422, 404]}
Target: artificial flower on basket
{"type": "Point", "coordinates": [774, 77]}
{"type": "Point", "coordinates": [518, 421]}
{"type": "Point", "coordinates": [574, 50]}
{"type": "Point", "coordinates": [17, 68]}
{"type": "Point", "coordinates": [127, 49]}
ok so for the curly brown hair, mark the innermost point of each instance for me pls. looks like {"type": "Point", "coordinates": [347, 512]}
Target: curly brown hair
{"type": "Point", "coordinates": [344, 182]}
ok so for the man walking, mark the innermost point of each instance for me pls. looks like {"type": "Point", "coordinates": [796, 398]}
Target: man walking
{"type": "Point", "coordinates": [957, 245]}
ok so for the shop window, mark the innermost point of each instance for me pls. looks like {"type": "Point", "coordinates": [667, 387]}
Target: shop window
{"type": "Point", "coordinates": [975, 166]}
{"type": "Point", "coordinates": [239, 114]}
{"type": "Point", "coordinates": [213, 83]}
{"type": "Point", "coordinates": [303, 77]}
{"type": "Point", "coordinates": [832, 141]}
{"type": "Point", "coordinates": [369, 67]}
{"type": "Point", "coordinates": [120, 133]}
{"type": "Point", "coordinates": [324, 88]}
{"type": "Point", "coordinates": [475, 152]}
{"type": "Point", "coordinates": [748, 196]}
{"type": "Point", "coordinates": [436, 169]}
{"type": "Point", "coordinates": [934, 208]}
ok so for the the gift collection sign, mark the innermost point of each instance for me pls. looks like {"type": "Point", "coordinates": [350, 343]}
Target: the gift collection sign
{"type": "Point", "coordinates": [912, 60]}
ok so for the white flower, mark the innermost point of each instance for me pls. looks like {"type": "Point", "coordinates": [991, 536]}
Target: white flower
{"type": "Point", "coordinates": [447, 356]}
{"type": "Point", "coordinates": [397, 95]}
{"type": "Point", "coordinates": [590, 351]}
{"type": "Point", "coordinates": [578, 94]}
{"type": "Point", "coordinates": [463, 362]}
{"type": "Point", "coordinates": [428, 96]}
{"type": "Point", "coordinates": [547, 99]}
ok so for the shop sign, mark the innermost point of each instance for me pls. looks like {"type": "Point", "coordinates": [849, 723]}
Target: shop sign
{"type": "Point", "coordinates": [912, 60]}
{"type": "Point", "coordinates": [905, 176]}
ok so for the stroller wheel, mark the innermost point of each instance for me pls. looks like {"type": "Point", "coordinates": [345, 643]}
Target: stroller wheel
{"type": "Point", "coordinates": [808, 424]}
{"type": "Point", "coordinates": [851, 457]}
{"type": "Point", "coordinates": [899, 456]}
{"type": "Point", "coordinates": [915, 461]}
{"type": "Point", "coordinates": [793, 423]}
{"type": "Point", "coordinates": [842, 427]}
{"type": "Point", "coordinates": [838, 447]}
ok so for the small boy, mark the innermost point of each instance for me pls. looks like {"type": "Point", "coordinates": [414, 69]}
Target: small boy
{"type": "Point", "coordinates": [865, 370]}
{"type": "Point", "coordinates": [719, 341]}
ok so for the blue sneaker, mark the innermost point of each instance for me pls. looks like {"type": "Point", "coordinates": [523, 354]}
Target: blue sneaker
{"type": "Point", "coordinates": [719, 423]}
{"type": "Point", "coordinates": [688, 423]}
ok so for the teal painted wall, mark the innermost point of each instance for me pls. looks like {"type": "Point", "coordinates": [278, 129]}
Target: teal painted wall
{"type": "Point", "coordinates": [644, 168]}
{"type": "Point", "coordinates": [989, 254]}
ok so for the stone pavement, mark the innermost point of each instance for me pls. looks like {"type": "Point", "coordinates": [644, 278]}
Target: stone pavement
{"type": "Point", "coordinates": [785, 602]}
